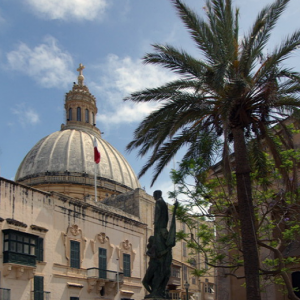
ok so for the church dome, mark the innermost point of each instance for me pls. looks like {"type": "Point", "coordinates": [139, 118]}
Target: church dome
{"type": "Point", "coordinates": [70, 154]}
{"type": "Point", "coordinates": [64, 160]}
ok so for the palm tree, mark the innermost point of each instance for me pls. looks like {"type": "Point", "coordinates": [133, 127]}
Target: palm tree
{"type": "Point", "coordinates": [231, 93]}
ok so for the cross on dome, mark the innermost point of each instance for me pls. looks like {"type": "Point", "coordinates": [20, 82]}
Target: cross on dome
{"type": "Point", "coordinates": [80, 77]}
{"type": "Point", "coordinates": [81, 67]}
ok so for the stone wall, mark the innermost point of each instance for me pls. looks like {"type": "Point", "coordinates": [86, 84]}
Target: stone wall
{"type": "Point", "coordinates": [128, 202]}
{"type": "Point", "coordinates": [58, 219]}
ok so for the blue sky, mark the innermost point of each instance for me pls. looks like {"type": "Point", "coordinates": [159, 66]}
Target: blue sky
{"type": "Point", "coordinates": [43, 42]}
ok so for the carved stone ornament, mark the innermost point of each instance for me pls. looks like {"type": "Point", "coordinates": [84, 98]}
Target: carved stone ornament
{"type": "Point", "coordinates": [75, 230]}
{"type": "Point", "coordinates": [101, 241]}
{"type": "Point", "coordinates": [125, 247]}
{"type": "Point", "coordinates": [73, 233]}
{"type": "Point", "coordinates": [102, 238]}
{"type": "Point", "coordinates": [18, 270]}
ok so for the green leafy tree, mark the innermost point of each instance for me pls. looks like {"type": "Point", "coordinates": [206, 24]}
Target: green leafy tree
{"type": "Point", "coordinates": [212, 218]}
{"type": "Point", "coordinates": [230, 93]}
{"type": "Point", "coordinates": [212, 215]}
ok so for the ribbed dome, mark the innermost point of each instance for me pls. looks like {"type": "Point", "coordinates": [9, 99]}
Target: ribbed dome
{"type": "Point", "coordinates": [71, 151]}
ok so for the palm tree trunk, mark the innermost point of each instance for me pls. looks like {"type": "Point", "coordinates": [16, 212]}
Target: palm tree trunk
{"type": "Point", "coordinates": [246, 214]}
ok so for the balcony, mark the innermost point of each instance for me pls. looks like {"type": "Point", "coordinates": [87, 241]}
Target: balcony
{"type": "Point", "coordinates": [40, 295]}
{"type": "Point", "coordinates": [174, 281]}
{"type": "Point", "coordinates": [104, 274]}
{"type": "Point", "coordinates": [175, 277]}
{"type": "Point", "coordinates": [104, 278]}
{"type": "Point", "coordinates": [19, 258]}
{"type": "Point", "coordinates": [4, 294]}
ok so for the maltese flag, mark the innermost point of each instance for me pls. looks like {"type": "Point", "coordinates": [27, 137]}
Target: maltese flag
{"type": "Point", "coordinates": [96, 152]}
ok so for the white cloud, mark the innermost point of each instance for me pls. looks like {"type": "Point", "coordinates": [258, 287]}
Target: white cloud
{"type": "Point", "coordinates": [126, 113]}
{"type": "Point", "coordinates": [134, 75]}
{"type": "Point", "coordinates": [66, 9]}
{"type": "Point", "coordinates": [46, 63]}
{"type": "Point", "coordinates": [122, 77]}
{"type": "Point", "coordinates": [26, 115]}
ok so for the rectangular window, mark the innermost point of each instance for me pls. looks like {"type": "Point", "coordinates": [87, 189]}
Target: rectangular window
{"type": "Point", "coordinates": [19, 247]}
{"type": "Point", "coordinates": [184, 270]}
{"type": "Point", "coordinates": [175, 272]}
{"type": "Point", "coordinates": [38, 285]}
{"type": "Point", "coordinates": [102, 263]}
{"type": "Point", "coordinates": [206, 263]}
{"type": "Point", "coordinates": [184, 249]}
{"type": "Point", "coordinates": [39, 250]}
{"type": "Point", "coordinates": [74, 298]}
{"type": "Point", "coordinates": [75, 254]}
{"type": "Point", "coordinates": [126, 265]}
{"type": "Point", "coordinates": [192, 262]}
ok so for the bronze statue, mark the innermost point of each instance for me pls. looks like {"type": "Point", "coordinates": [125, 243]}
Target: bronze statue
{"type": "Point", "coordinates": [160, 249]}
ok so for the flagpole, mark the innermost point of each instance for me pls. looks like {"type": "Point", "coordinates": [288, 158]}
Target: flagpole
{"type": "Point", "coordinates": [95, 182]}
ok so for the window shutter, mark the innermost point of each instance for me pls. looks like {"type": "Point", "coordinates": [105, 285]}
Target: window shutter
{"type": "Point", "coordinates": [38, 283]}
{"type": "Point", "coordinates": [39, 251]}
{"type": "Point", "coordinates": [75, 254]}
{"type": "Point", "coordinates": [102, 263]}
{"type": "Point", "coordinates": [126, 265]}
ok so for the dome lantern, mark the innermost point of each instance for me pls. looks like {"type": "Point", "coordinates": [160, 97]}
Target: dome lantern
{"type": "Point", "coordinates": [80, 106]}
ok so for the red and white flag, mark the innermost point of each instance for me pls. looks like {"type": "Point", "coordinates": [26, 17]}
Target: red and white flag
{"type": "Point", "coordinates": [96, 152]}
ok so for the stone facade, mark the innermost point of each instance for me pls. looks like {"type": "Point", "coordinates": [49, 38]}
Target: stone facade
{"type": "Point", "coordinates": [58, 220]}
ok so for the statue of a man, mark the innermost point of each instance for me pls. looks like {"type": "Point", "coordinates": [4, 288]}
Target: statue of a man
{"type": "Point", "coordinates": [160, 249]}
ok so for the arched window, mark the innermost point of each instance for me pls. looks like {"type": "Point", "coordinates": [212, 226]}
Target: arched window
{"type": "Point", "coordinates": [78, 114]}
{"type": "Point", "coordinates": [70, 114]}
{"type": "Point", "coordinates": [87, 116]}
{"type": "Point", "coordinates": [93, 118]}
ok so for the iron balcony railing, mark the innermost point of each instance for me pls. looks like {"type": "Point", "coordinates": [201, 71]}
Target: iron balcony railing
{"type": "Point", "coordinates": [4, 294]}
{"type": "Point", "coordinates": [105, 274]}
{"type": "Point", "coordinates": [40, 295]}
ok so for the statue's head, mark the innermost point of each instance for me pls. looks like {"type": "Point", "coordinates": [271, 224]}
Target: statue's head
{"type": "Point", "coordinates": [151, 240]}
{"type": "Point", "coordinates": [157, 194]}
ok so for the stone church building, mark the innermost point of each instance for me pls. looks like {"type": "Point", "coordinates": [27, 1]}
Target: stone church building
{"type": "Point", "coordinates": [61, 242]}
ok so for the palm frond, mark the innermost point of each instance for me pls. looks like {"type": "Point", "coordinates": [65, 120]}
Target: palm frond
{"type": "Point", "coordinates": [166, 151]}
{"type": "Point", "coordinates": [258, 37]}
{"type": "Point", "coordinates": [163, 92]}
{"type": "Point", "coordinates": [176, 60]}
